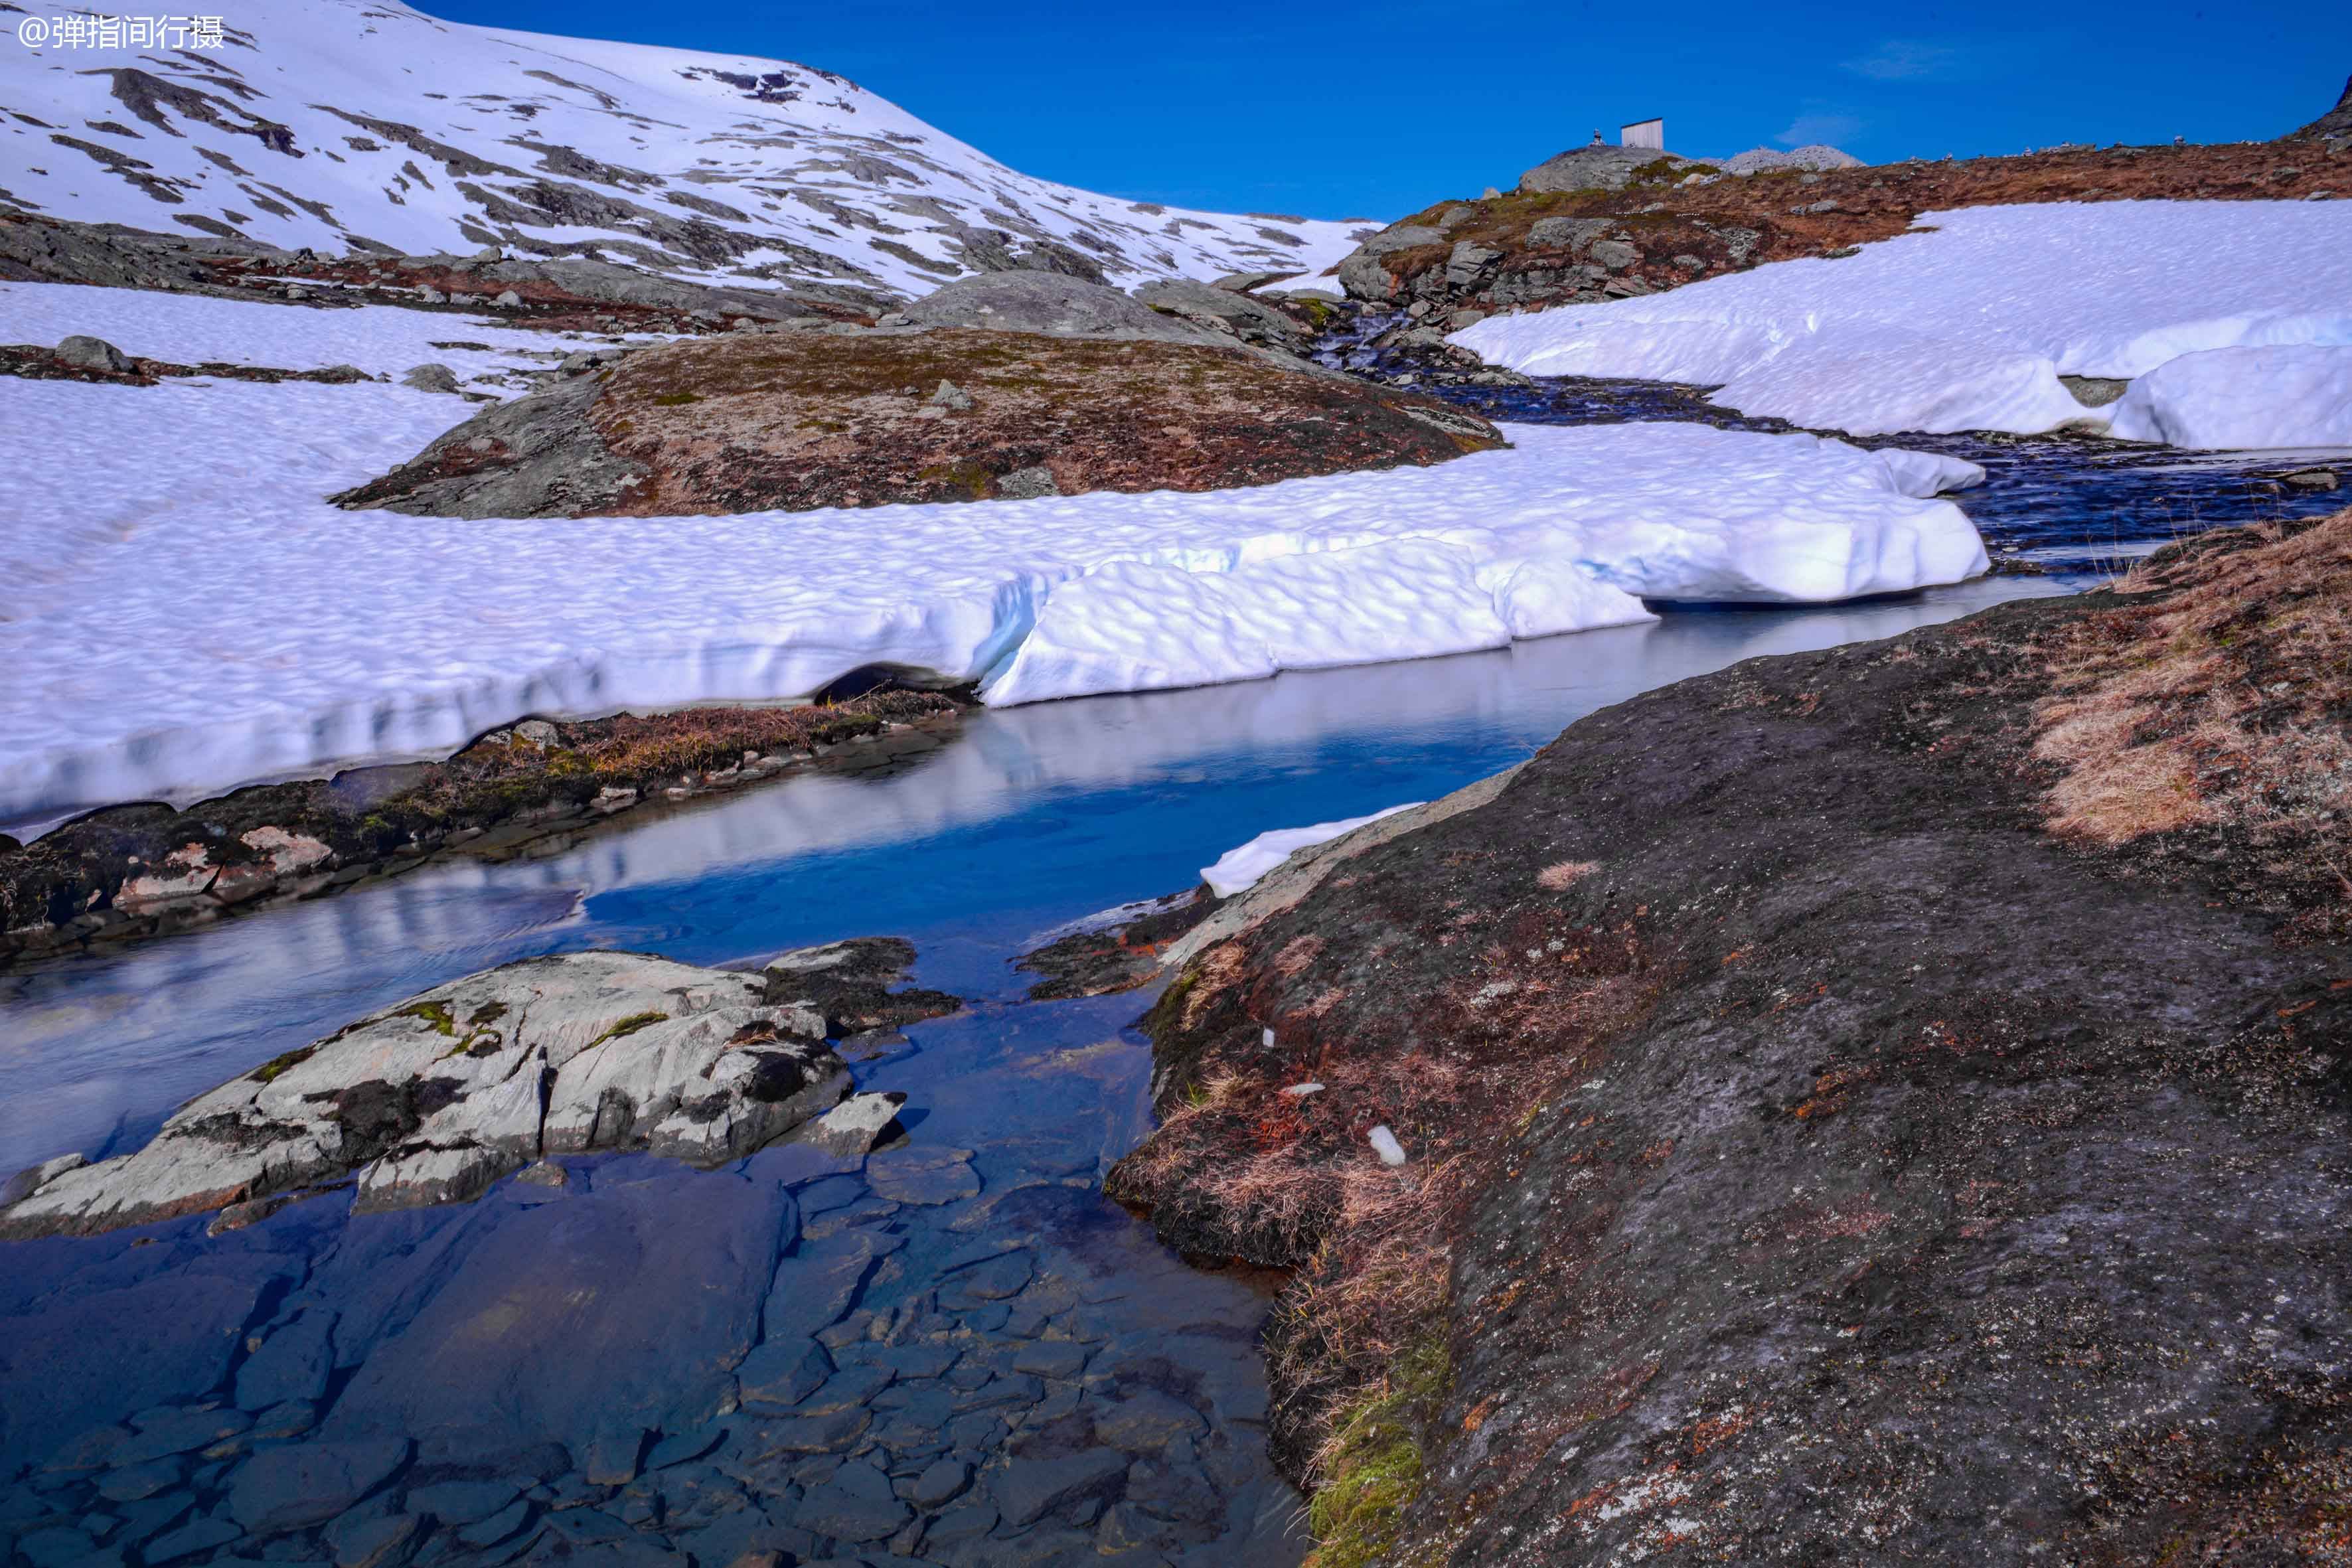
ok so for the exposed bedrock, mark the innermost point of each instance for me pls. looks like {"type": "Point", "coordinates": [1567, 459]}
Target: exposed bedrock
{"type": "Point", "coordinates": [1610, 223]}
{"type": "Point", "coordinates": [1884, 1104]}
{"type": "Point", "coordinates": [1109, 396]}
{"type": "Point", "coordinates": [432, 1100]}
{"type": "Point", "coordinates": [553, 291]}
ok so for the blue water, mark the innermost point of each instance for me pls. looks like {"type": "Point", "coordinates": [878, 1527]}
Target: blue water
{"type": "Point", "coordinates": [1031, 818]}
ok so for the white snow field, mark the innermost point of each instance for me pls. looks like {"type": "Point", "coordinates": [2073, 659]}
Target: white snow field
{"type": "Point", "coordinates": [180, 611]}
{"type": "Point", "coordinates": [1242, 867]}
{"type": "Point", "coordinates": [1968, 321]}
{"type": "Point", "coordinates": [194, 329]}
{"type": "Point", "coordinates": [340, 124]}
{"type": "Point", "coordinates": [2223, 398]}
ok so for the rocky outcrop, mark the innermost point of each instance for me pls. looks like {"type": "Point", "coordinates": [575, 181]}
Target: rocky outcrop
{"type": "Point", "coordinates": [559, 293]}
{"type": "Point", "coordinates": [857, 986]}
{"type": "Point", "coordinates": [60, 250]}
{"type": "Point", "coordinates": [1053, 305]}
{"type": "Point", "coordinates": [146, 869]}
{"type": "Point", "coordinates": [1813, 156]}
{"type": "Point", "coordinates": [2335, 126]}
{"type": "Point", "coordinates": [1872, 1105]}
{"type": "Point", "coordinates": [431, 1102]}
{"type": "Point", "coordinates": [1226, 312]}
{"type": "Point", "coordinates": [1673, 222]}
{"type": "Point", "coordinates": [1605, 168]}
{"type": "Point", "coordinates": [99, 362]}
{"type": "Point", "coordinates": [1089, 390]}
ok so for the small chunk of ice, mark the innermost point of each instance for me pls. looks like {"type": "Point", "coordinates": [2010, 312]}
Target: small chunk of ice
{"type": "Point", "coordinates": [1303, 1090]}
{"type": "Point", "coordinates": [1385, 1145]}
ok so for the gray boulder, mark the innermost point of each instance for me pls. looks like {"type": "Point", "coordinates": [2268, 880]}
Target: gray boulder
{"type": "Point", "coordinates": [1615, 254]}
{"type": "Point", "coordinates": [1221, 310]}
{"type": "Point", "coordinates": [1362, 275]}
{"type": "Point", "coordinates": [431, 1102]}
{"type": "Point", "coordinates": [1053, 305]}
{"type": "Point", "coordinates": [1571, 234]}
{"type": "Point", "coordinates": [1815, 156]}
{"type": "Point", "coordinates": [430, 378]}
{"type": "Point", "coordinates": [1402, 236]}
{"type": "Point", "coordinates": [536, 456]}
{"type": "Point", "coordinates": [94, 354]}
{"type": "Point", "coordinates": [1594, 168]}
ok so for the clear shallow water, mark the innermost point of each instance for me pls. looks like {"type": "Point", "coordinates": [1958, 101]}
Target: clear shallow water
{"type": "Point", "coordinates": [376, 1329]}
{"type": "Point", "coordinates": [509, 1350]}
{"type": "Point", "coordinates": [1034, 816]}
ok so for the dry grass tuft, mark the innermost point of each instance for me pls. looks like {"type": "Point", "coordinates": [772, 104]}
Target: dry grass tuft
{"type": "Point", "coordinates": [1560, 875]}
{"type": "Point", "coordinates": [2224, 706]}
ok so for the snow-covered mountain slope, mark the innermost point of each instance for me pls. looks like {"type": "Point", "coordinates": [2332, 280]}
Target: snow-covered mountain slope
{"type": "Point", "coordinates": [339, 124]}
{"type": "Point", "coordinates": [1968, 321]}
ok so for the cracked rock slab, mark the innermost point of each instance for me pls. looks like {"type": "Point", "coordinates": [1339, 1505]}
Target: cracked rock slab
{"type": "Point", "coordinates": [431, 1100]}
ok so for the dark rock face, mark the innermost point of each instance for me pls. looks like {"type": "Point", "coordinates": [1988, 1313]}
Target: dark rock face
{"type": "Point", "coordinates": [1100, 959]}
{"type": "Point", "coordinates": [795, 421]}
{"type": "Point", "coordinates": [1823, 1158]}
{"type": "Point", "coordinates": [849, 983]}
{"type": "Point", "coordinates": [555, 292]}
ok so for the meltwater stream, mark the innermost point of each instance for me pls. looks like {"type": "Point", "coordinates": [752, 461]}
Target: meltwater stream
{"type": "Point", "coordinates": [1012, 1370]}
{"type": "Point", "coordinates": [960, 1354]}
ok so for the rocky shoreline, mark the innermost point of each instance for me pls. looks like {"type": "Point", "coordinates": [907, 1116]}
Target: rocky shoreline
{"type": "Point", "coordinates": [1881, 1103]}
{"type": "Point", "coordinates": [145, 870]}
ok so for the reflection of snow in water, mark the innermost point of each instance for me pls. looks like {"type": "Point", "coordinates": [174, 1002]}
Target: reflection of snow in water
{"type": "Point", "coordinates": [1034, 815]}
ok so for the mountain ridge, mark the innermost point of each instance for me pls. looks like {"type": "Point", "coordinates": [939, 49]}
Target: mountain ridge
{"type": "Point", "coordinates": [313, 126]}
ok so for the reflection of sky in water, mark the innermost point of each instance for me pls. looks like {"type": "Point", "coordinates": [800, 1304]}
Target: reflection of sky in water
{"type": "Point", "coordinates": [1032, 817]}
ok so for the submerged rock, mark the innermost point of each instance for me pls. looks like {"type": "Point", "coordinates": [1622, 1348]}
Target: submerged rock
{"type": "Point", "coordinates": [432, 1100]}
{"type": "Point", "coordinates": [849, 983]}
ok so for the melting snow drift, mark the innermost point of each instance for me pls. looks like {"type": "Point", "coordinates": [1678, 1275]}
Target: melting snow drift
{"type": "Point", "coordinates": [1242, 868]}
{"type": "Point", "coordinates": [1967, 323]}
{"type": "Point", "coordinates": [180, 611]}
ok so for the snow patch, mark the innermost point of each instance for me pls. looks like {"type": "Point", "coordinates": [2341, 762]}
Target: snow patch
{"type": "Point", "coordinates": [2242, 398]}
{"type": "Point", "coordinates": [182, 612]}
{"type": "Point", "coordinates": [1968, 322]}
{"type": "Point", "coordinates": [1240, 869]}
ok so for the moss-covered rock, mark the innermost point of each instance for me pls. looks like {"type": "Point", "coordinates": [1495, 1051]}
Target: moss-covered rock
{"type": "Point", "coordinates": [795, 421]}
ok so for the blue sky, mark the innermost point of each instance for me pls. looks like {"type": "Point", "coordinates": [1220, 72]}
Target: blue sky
{"type": "Point", "coordinates": [1335, 111]}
